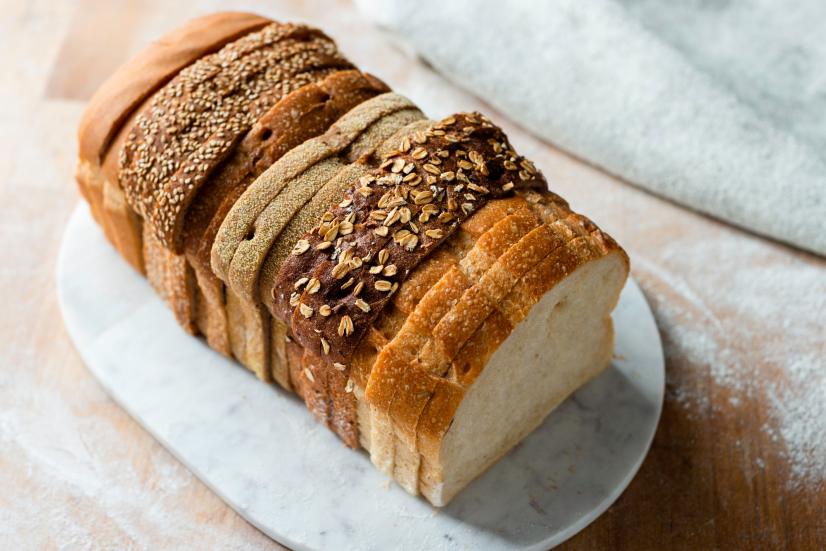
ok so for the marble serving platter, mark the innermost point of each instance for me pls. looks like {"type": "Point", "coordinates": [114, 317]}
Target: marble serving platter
{"type": "Point", "coordinates": [260, 450]}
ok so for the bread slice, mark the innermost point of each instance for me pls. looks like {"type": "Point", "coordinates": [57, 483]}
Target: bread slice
{"type": "Point", "coordinates": [565, 341]}
{"type": "Point", "coordinates": [173, 279]}
{"type": "Point", "coordinates": [270, 204]}
{"type": "Point", "coordinates": [299, 116]}
{"type": "Point", "coordinates": [110, 109]}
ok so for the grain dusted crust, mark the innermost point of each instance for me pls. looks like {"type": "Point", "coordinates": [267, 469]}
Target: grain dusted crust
{"type": "Point", "coordinates": [366, 133]}
{"type": "Point", "coordinates": [349, 265]}
{"type": "Point", "coordinates": [172, 148]}
{"type": "Point", "coordinates": [243, 219]}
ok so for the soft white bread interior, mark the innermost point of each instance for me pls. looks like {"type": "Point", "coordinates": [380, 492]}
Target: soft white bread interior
{"type": "Point", "coordinates": [565, 341]}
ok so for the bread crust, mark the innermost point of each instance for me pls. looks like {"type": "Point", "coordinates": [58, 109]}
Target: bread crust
{"type": "Point", "coordinates": [172, 149]}
{"type": "Point", "coordinates": [144, 74]}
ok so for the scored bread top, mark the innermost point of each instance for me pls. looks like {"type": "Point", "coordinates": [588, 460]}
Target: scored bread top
{"type": "Point", "coordinates": [141, 76]}
{"type": "Point", "coordinates": [345, 270]}
{"type": "Point", "coordinates": [195, 121]}
{"type": "Point", "coordinates": [302, 115]}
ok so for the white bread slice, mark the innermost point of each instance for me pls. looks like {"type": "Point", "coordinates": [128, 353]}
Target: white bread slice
{"type": "Point", "coordinates": [565, 341]}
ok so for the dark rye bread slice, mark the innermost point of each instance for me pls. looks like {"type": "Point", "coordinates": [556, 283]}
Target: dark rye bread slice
{"type": "Point", "coordinates": [330, 194]}
{"type": "Point", "coordinates": [297, 176]}
{"type": "Point", "coordinates": [196, 119]}
{"type": "Point", "coordinates": [119, 98]}
{"type": "Point", "coordinates": [386, 224]}
{"type": "Point", "coordinates": [327, 396]}
{"type": "Point", "coordinates": [299, 116]}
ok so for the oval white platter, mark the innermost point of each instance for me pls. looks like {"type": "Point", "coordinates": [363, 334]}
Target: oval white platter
{"type": "Point", "coordinates": [260, 450]}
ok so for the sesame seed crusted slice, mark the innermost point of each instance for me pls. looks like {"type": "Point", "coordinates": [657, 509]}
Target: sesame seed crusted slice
{"type": "Point", "coordinates": [399, 213]}
{"type": "Point", "coordinates": [197, 118]}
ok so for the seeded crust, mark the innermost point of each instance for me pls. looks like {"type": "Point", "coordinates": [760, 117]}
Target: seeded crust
{"type": "Point", "coordinates": [301, 115]}
{"type": "Point", "coordinates": [363, 156]}
{"type": "Point", "coordinates": [110, 108]}
{"type": "Point", "coordinates": [353, 261]}
{"type": "Point", "coordinates": [241, 221]}
{"type": "Point", "coordinates": [298, 176]}
{"type": "Point", "coordinates": [200, 115]}
{"type": "Point", "coordinates": [326, 196]}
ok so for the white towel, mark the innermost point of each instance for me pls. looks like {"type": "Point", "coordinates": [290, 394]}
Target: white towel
{"type": "Point", "coordinates": [719, 105]}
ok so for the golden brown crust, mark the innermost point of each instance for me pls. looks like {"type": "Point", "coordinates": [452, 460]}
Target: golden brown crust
{"type": "Point", "coordinates": [141, 76]}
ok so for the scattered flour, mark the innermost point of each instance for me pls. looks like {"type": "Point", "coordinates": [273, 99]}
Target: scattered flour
{"type": "Point", "coordinates": [764, 340]}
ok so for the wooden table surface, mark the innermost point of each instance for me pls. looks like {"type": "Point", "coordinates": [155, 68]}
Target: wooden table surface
{"type": "Point", "coordinates": [738, 462]}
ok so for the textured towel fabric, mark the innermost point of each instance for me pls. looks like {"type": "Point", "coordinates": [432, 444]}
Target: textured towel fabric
{"type": "Point", "coordinates": [719, 105]}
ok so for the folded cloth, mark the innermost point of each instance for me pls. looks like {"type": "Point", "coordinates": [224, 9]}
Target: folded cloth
{"type": "Point", "coordinates": [719, 105]}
